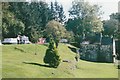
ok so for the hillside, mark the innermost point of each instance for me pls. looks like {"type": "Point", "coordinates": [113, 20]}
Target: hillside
{"type": "Point", "coordinates": [26, 61]}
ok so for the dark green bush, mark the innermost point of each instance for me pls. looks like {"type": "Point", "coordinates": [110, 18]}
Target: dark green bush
{"type": "Point", "coordinates": [97, 53]}
{"type": "Point", "coordinates": [52, 57]}
{"type": "Point", "coordinates": [118, 49]}
{"type": "Point", "coordinates": [118, 66]}
{"type": "Point", "coordinates": [75, 44]}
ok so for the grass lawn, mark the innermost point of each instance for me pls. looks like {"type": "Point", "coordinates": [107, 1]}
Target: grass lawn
{"type": "Point", "coordinates": [20, 61]}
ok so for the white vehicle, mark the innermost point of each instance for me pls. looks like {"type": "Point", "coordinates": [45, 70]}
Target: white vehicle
{"type": "Point", "coordinates": [10, 41]}
{"type": "Point", "coordinates": [24, 40]}
{"type": "Point", "coordinates": [63, 40]}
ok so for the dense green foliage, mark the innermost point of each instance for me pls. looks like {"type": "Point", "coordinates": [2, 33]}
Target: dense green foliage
{"type": "Point", "coordinates": [32, 18]}
{"type": "Point", "coordinates": [85, 20]}
{"type": "Point", "coordinates": [52, 57]}
{"type": "Point", "coordinates": [11, 26]}
{"type": "Point", "coordinates": [55, 30]}
{"type": "Point", "coordinates": [57, 12]}
{"type": "Point", "coordinates": [29, 18]}
{"type": "Point", "coordinates": [111, 26]}
{"type": "Point", "coordinates": [119, 37]}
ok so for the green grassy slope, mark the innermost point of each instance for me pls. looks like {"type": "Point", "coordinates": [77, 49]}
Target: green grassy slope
{"type": "Point", "coordinates": [20, 61]}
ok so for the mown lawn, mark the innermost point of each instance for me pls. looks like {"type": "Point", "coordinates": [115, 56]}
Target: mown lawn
{"type": "Point", "coordinates": [20, 61]}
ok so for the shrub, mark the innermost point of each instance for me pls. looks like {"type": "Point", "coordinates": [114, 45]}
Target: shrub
{"type": "Point", "coordinates": [52, 57]}
{"type": "Point", "coordinates": [75, 44]}
{"type": "Point", "coordinates": [95, 52]}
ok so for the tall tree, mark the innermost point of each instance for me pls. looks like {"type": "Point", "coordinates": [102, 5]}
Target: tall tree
{"type": "Point", "coordinates": [11, 25]}
{"type": "Point", "coordinates": [62, 17]}
{"type": "Point", "coordinates": [52, 11]}
{"type": "Point", "coordinates": [35, 15]}
{"type": "Point", "coordinates": [114, 16]}
{"type": "Point", "coordinates": [86, 18]}
{"type": "Point", "coordinates": [55, 30]}
{"type": "Point", "coordinates": [57, 12]}
{"type": "Point", "coordinates": [30, 18]}
{"type": "Point", "coordinates": [110, 27]}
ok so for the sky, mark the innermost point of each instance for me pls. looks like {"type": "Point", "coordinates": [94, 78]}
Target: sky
{"type": "Point", "coordinates": [108, 6]}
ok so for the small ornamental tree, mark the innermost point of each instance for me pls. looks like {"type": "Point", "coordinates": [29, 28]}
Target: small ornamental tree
{"type": "Point", "coordinates": [52, 57]}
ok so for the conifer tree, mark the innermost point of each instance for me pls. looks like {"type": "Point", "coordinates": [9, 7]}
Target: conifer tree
{"type": "Point", "coordinates": [52, 57]}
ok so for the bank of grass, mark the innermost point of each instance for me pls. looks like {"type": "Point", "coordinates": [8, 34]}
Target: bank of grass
{"type": "Point", "coordinates": [26, 61]}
